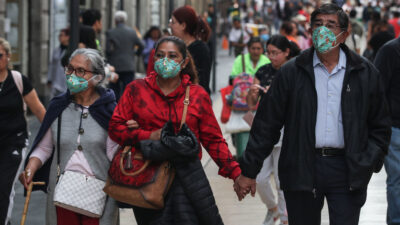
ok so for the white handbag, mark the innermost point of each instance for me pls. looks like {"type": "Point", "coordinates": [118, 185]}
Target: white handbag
{"type": "Point", "coordinates": [236, 123]}
{"type": "Point", "coordinates": [78, 192]}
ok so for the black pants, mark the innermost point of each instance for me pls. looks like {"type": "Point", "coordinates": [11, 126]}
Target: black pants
{"type": "Point", "coordinates": [10, 159]}
{"type": "Point", "coordinates": [304, 207]}
{"type": "Point", "coordinates": [124, 79]}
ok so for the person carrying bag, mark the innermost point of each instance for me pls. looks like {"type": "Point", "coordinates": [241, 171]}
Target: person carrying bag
{"type": "Point", "coordinates": [158, 104]}
{"type": "Point", "coordinates": [75, 170]}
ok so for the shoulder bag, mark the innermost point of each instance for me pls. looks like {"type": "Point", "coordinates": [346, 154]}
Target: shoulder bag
{"type": "Point", "coordinates": [146, 186]}
{"type": "Point", "coordinates": [78, 192]}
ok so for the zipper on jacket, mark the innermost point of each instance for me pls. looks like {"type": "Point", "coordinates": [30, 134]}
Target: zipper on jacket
{"type": "Point", "coordinates": [314, 191]}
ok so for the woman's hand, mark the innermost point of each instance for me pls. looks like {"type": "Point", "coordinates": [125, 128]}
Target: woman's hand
{"type": "Point", "coordinates": [156, 135]}
{"type": "Point", "coordinates": [253, 91]}
{"type": "Point", "coordinates": [27, 175]}
{"type": "Point", "coordinates": [132, 124]}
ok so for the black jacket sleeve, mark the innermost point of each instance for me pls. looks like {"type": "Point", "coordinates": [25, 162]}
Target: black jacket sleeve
{"type": "Point", "coordinates": [268, 122]}
{"type": "Point", "coordinates": [379, 123]}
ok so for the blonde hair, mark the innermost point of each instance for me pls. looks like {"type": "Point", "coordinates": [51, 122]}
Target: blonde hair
{"type": "Point", "coordinates": [7, 48]}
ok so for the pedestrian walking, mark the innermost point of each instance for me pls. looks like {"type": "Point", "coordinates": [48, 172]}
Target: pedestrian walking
{"type": "Point", "coordinates": [120, 51]}
{"type": "Point", "coordinates": [150, 39]}
{"type": "Point", "coordinates": [15, 92]}
{"type": "Point", "coordinates": [195, 32]}
{"type": "Point", "coordinates": [337, 127]}
{"type": "Point", "coordinates": [244, 64]}
{"type": "Point", "coordinates": [387, 61]}
{"type": "Point", "coordinates": [158, 101]}
{"type": "Point", "coordinates": [279, 51]}
{"type": "Point", "coordinates": [238, 37]}
{"type": "Point", "coordinates": [92, 18]}
{"type": "Point", "coordinates": [55, 76]}
{"type": "Point", "coordinates": [76, 123]}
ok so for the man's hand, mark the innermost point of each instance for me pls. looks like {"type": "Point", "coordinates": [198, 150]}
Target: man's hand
{"type": "Point", "coordinates": [243, 185]}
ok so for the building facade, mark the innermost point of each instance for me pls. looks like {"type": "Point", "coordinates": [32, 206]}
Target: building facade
{"type": "Point", "coordinates": [32, 27]}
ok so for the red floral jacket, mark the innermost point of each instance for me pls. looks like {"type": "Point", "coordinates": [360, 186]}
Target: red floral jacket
{"type": "Point", "coordinates": [144, 102]}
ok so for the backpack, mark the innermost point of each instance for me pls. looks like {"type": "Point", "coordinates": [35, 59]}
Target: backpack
{"type": "Point", "coordinates": [17, 76]}
{"type": "Point", "coordinates": [356, 28]}
{"type": "Point", "coordinates": [241, 86]}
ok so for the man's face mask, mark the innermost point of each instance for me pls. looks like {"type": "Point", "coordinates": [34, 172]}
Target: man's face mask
{"type": "Point", "coordinates": [324, 39]}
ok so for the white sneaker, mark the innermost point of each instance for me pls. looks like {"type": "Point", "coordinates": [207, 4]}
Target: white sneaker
{"type": "Point", "coordinates": [271, 217]}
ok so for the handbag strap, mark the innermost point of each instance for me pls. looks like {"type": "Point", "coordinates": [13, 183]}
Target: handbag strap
{"type": "Point", "coordinates": [185, 106]}
{"type": "Point", "coordinates": [58, 146]}
{"type": "Point", "coordinates": [127, 149]}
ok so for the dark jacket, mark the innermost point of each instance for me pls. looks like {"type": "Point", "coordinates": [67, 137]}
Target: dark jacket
{"type": "Point", "coordinates": [292, 102]}
{"type": "Point", "coordinates": [387, 62]}
{"type": "Point", "coordinates": [190, 200]}
{"type": "Point", "coordinates": [101, 111]}
{"type": "Point", "coordinates": [120, 48]}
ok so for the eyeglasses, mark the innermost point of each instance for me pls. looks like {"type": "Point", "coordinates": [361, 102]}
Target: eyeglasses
{"type": "Point", "coordinates": [78, 71]}
{"type": "Point", "coordinates": [329, 25]}
{"type": "Point", "coordinates": [273, 53]}
{"type": "Point", "coordinates": [171, 21]}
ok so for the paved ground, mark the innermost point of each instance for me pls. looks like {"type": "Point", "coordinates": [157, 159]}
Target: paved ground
{"type": "Point", "coordinates": [250, 211]}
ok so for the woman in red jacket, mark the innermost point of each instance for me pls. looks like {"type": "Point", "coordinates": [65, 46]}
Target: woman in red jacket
{"type": "Point", "coordinates": [158, 98]}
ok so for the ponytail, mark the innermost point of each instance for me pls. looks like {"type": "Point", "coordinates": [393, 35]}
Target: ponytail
{"type": "Point", "coordinates": [195, 25]}
{"type": "Point", "coordinates": [203, 31]}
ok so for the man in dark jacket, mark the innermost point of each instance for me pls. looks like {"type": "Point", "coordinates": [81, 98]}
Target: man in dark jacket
{"type": "Point", "coordinates": [121, 43]}
{"type": "Point", "coordinates": [387, 61]}
{"type": "Point", "coordinates": [337, 127]}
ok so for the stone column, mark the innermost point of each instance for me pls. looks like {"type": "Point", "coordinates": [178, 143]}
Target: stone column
{"type": "Point", "coordinates": [38, 45]}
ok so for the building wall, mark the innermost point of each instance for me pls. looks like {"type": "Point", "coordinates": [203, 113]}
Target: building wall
{"type": "Point", "coordinates": [37, 31]}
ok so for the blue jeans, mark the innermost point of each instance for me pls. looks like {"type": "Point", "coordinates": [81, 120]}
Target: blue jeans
{"type": "Point", "coordinates": [392, 167]}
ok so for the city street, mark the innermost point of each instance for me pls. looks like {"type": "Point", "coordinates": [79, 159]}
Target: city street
{"type": "Point", "coordinates": [251, 211]}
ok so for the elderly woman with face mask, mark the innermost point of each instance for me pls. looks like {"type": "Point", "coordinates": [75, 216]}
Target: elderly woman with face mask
{"type": "Point", "coordinates": [81, 138]}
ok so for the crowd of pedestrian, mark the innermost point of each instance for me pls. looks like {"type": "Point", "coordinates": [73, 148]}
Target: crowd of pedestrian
{"type": "Point", "coordinates": [313, 100]}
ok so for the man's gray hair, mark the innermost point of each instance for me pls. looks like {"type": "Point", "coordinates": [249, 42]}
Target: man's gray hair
{"type": "Point", "coordinates": [120, 17]}
{"type": "Point", "coordinates": [96, 61]}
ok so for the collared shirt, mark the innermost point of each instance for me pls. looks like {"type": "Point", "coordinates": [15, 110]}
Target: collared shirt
{"type": "Point", "coordinates": [329, 126]}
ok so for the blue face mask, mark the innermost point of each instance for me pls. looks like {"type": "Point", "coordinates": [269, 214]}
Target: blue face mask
{"type": "Point", "coordinates": [264, 37]}
{"type": "Point", "coordinates": [167, 68]}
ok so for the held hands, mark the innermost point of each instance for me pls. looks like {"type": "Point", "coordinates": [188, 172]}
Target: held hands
{"type": "Point", "coordinates": [243, 185]}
